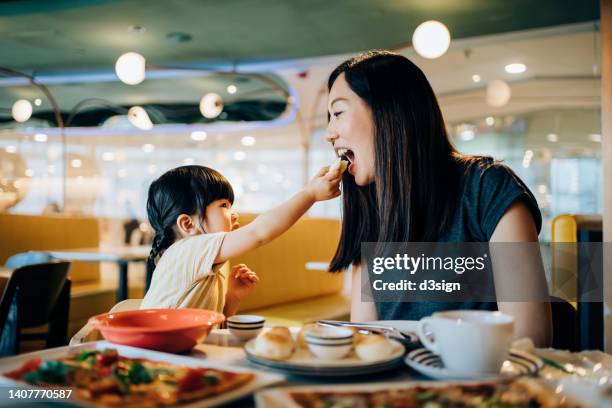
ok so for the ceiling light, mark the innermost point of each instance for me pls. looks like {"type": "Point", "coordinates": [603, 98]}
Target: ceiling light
{"type": "Point", "coordinates": [148, 148]}
{"type": "Point", "coordinates": [476, 78]}
{"type": "Point", "coordinates": [188, 161]}
{"type": "Point", "coordinates": [199, 135]}
{"type": "Point", "coordinates": [516, 68]}
{"type": "Point", "coordinates": [40, 137]}
{"type": "Point", "coordinates": [239, 155]}
{"type": "Point", "coordinates": [11, 149]}
{"type": "Point", "coordinates": [130, 68]}
{"type": "Point", "coordinates": [76, 163]}
{"type": "Point", "coordinates": [498, 93]}
{"type": "Point", "coordinates": [21, 110]}
{"type": "Point", "coordinates": [552, 137]}
{"type": "Point", "coordinates": [211, 105]}
{"type": "Point", "coordinates": [431, 39]}
{"type": "Point", "coordinates": [140, 118]}
{"type": "Point", "coordinates": [37, 101]}
{"type": "Point", "coordinates": [152, 168]}
{"type": "Point", "coordinates": [108, 156]}
{"type": "Point", "coordinates": [490, 120]}
{"type": "Point", "coordinates": [231, 89]}
{"type": "Point", "coordinates": [248, 141]}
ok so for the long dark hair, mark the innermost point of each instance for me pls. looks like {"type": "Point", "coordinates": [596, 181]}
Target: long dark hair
{"type": "Point", "coordinates": [413, 196]}
{"type": "Point", "coordinates": [183, 190]}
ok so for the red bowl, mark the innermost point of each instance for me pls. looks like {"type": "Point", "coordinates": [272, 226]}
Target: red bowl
{"type": "Point", "coordinates": [170, 330]}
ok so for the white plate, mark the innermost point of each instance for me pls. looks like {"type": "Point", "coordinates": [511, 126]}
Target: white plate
{"type": "Point", "coordinates": [302, 362]}
{"type": "Point", "coordinates": [262, 379]}
{"type": "Point", "coordinates": [427, 363]}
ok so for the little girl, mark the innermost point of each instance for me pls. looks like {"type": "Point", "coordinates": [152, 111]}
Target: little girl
{"type": "Point", "coordinates": [196, 231]}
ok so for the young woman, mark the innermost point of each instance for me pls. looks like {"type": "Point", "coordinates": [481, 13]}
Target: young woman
{"type": "Point", "coordinates": [407, 183]}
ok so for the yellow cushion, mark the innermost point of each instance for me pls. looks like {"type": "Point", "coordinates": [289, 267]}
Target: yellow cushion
{"type": "Point", "coordinates": [34, 233]}
{"type": "Point", "coordinates": [335, 307]}
{"type": "Point", "coordinates": [281, 264]}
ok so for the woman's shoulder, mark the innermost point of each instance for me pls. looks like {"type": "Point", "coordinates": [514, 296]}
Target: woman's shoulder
{"type": "Point", "coordinates": [489, 188]}
{"type": "Point", "coordinates": [484, 171]}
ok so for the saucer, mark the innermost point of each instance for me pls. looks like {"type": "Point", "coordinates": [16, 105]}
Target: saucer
{"type": "Point", "coordinates": [425, 362]}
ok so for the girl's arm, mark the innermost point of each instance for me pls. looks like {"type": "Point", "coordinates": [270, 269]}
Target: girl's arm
{"type": "Point", "coordinates": [360, 311]}
{"type": "Point", "coordinates": [274, 222]}
{"type": "Point", "coordinates": [518, 269]}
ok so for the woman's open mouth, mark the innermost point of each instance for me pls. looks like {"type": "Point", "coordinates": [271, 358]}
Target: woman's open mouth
{"type": "Point", "coordinates": [349, 155]}
{"type": "Point", "coordinates": [346, 154]}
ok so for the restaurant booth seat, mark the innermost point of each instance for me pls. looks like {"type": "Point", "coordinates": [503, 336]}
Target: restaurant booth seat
{"type": "Point", "coordinates": [89, 295]}
{"type": "Point", "coordinates": [295, 287]}
{"type": "Point", "coordinates": [577, 275]}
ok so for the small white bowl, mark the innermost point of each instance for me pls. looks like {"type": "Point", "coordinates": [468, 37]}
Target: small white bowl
{"type": "Point", "coordinates": [329, 343]}
{"type": "Point", "coordinates": [245, 327]}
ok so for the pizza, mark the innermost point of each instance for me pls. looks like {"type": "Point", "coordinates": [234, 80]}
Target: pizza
{"type": "Point", "coordinates": [520, 393]}
{"type": "Point", "coordinates": [107, 378]}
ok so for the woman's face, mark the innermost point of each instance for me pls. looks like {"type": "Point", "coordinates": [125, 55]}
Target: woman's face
{"type": "Point", "coordinates": [351, 130]}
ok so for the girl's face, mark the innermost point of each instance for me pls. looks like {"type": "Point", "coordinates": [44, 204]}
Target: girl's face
{"type": "Point", "coordinates": [351, 130]}
{"type": "Point", "coordinates": [219, 217]}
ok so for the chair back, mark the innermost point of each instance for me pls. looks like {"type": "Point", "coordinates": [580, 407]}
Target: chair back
{"type": "Point", "coordinates": [28, 258]}
{"type": "Point", "coordinates": [565, 324]}
{"type": "Point", "coordinates": [36, 290]}
{"type": "Point", "coordinates": [125, 305]}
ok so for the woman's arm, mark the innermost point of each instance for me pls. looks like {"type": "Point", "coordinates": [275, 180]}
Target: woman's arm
{"type": "Point", "coordinates": [518, 269]}
{"type": "Point", "coordinates": [274, 222]}
{"type": "Point", "coordinates": [360, 311]}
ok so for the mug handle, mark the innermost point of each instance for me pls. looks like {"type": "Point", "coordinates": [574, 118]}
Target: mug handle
{"type": "Point", "coordinates": [431, 345]}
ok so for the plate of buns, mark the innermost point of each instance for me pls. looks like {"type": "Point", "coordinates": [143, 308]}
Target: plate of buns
{"type": "Point", "coordinates": [324, 351]}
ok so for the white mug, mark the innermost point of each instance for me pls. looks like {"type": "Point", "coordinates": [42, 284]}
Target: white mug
{"type": "Point", "coordinates": [468, 340]}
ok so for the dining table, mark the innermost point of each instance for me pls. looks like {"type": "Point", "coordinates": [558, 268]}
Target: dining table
{"type": "Point", "coordinates": [223, 348]}
{"type": "Point", "coordinates": [121, 255]}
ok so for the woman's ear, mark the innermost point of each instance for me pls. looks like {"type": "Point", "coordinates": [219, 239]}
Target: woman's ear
{"type": "Point", "coordinates": [186, 226]}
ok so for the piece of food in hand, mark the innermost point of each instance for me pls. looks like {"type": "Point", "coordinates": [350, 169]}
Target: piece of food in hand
{"type": "Point", "coordinates": [373, 347]}
{"type": "Point", "coordinates": [301, 339]}
{"type": "Point", "coordinates": [339, 164]}
{"type": "Point", "coordinates": [275, 343]}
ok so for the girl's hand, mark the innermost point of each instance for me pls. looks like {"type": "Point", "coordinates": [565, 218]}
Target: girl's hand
{"type": "Point", "coordinates": [242, 280]}
{"type": "Point", "coordinates": [324, 186]}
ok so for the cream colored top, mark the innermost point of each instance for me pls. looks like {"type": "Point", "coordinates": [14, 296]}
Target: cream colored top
{"type": "Point", "coordinates": [186, 277]}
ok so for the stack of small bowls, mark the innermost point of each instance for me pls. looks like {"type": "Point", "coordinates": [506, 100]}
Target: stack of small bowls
{"type": "Point", "coordinates": [329, 343]}
{"type": "Point", "coordinates": [245, 326]}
